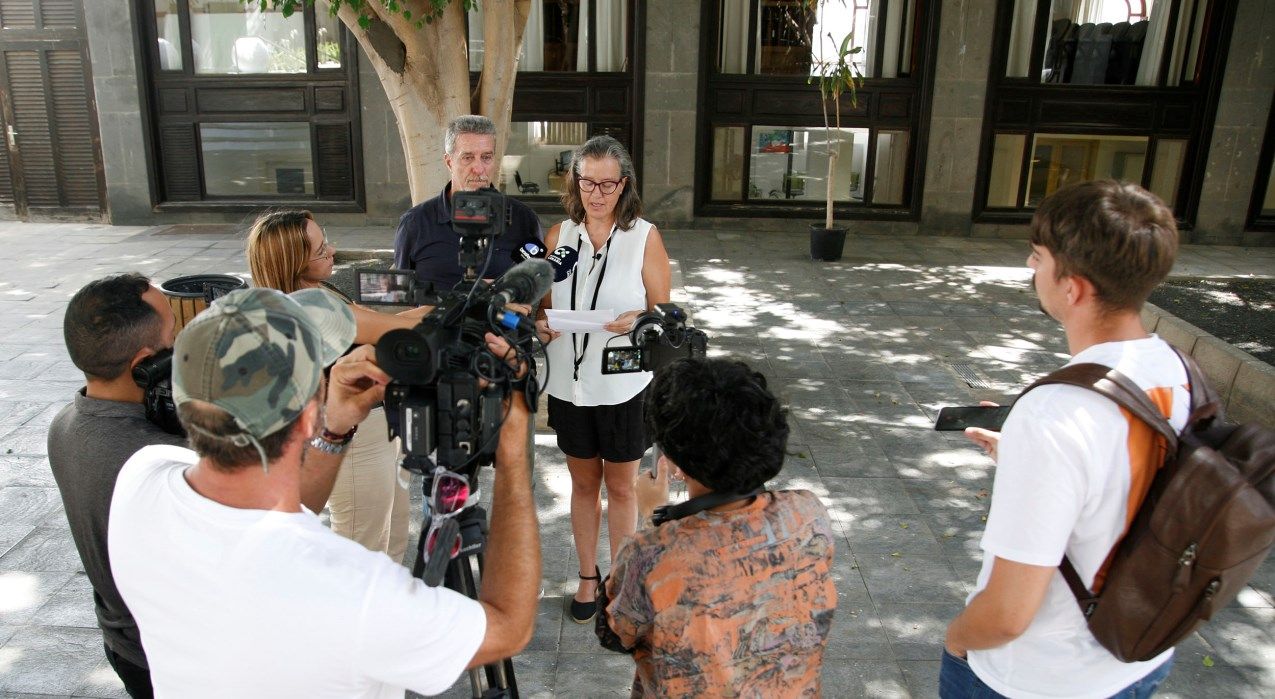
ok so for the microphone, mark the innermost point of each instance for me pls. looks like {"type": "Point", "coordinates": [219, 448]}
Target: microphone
{"type": "Point", "coordinates": [563, 261]}
{"type": "Point", "coordinates": [525, 282]}
{"type": "Point", "coordinates": [529, 250]}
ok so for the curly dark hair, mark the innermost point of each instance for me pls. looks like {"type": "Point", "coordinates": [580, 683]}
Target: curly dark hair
{"type": "Point", "coordinates": [718, 422]}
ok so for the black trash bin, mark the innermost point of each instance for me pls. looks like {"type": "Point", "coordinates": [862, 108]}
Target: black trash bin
{"type": "Point", "coordinates": [189, 295]}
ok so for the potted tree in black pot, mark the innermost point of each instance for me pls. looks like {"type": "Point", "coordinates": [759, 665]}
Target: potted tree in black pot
{"type": "Point", "coordinates": [835, 75]}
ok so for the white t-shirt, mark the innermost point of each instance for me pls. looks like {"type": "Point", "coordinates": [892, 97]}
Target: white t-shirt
{"type": "Point", "coordinates": [620, 269]}
{"type": "Point", "coordinates": [256, 603]}
{"type": "Point", "coordinates": [1062, 484]}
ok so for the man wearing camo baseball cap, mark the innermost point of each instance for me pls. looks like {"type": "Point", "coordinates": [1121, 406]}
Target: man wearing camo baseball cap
{"type": "Point", "coordinates": [237, 587]}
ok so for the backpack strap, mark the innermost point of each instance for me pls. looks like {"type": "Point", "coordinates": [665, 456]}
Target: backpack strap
{"type": "Point", "coordinates": [1118, 388]}
{"type": "Point", "coordinates": [1125, 393]}
{"type": "Point", "coordinates": [1205, 404]}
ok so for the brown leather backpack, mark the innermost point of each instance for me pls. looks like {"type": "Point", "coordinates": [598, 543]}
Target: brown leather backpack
{"type": "Point", "coordinates": [1207, 521]}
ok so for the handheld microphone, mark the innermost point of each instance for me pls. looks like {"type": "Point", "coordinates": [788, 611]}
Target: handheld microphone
{"type": "Point", "coordinates": [563, 261]}
{"type": "Point", "coordinates": [525, 282]}
{"type": "Point", "coordinates": [529, 250]}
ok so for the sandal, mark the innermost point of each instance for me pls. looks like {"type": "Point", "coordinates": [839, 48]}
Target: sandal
{"type": "Point", "coordinates": [582, 612]}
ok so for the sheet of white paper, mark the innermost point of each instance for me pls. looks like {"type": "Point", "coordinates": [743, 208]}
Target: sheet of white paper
{"type": "Point", "coordinates": [579, 321]}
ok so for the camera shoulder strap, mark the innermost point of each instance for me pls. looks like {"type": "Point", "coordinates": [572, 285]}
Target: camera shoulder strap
{"type": "Point", "coordinates": [577, 355]}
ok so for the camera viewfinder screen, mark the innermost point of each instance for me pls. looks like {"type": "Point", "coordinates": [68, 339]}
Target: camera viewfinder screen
{"type": "Point", "coordinates": [380, 287]}
{"type": "Point", "coordinates": [621, 360]}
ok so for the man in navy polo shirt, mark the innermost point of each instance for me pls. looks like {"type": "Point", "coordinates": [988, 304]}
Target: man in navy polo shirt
{"type": "Point", "coordinates": [426, 242]}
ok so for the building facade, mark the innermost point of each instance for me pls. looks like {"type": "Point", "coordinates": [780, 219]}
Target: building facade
{"type": "Point", "coordinates": [970, 112]}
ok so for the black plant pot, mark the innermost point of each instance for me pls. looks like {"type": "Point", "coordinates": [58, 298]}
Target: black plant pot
{"type": "Point", "coordinates": [826, 243]}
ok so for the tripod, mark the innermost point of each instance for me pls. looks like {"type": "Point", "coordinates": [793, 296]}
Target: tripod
{"type": "Point", "coordinates": [459, 576]}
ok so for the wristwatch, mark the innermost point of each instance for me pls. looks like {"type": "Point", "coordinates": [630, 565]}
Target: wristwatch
{"type": "Point", "coordinates": [332, 443]}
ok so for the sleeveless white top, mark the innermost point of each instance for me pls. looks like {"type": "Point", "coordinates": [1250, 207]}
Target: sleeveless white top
{"type": "Point", "coordinates": [620, 267]}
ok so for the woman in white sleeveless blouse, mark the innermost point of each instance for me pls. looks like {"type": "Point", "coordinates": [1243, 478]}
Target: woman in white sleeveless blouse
{"type": "Point", "coordinates": [621, 266]}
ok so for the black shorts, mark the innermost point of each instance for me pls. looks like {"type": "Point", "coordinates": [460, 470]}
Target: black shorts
{"type": "Point", "coordinates": [614, 432]}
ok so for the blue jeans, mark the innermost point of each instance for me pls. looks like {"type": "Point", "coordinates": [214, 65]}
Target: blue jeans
{"type": "Point", "coordinates": [958, 681]}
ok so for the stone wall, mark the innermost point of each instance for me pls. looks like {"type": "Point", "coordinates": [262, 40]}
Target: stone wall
{"type": "Point", "coordinates": [956, 120]}
{"type": "Point", "coordinates": [670, 109]}
{"type": "Point", "coordinates": [117, 87]}
{"type": "Point", "coordinates": [1238, 130]}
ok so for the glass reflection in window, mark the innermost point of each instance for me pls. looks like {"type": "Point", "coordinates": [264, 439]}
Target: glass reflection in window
{"type": "Point", "coordinates": [557, 37]}
{"type": "Point", "coordinates": [538, 155]}
{"type": "Point", "coordinates": [1099, 42]}
{"type": "Point", "coordinates": [792, 163]}
{"type": "Point", "coordinates": [1007, 169]}
{"type": "Point", "coordinates": [1166, 171]}
{"type": "Point", "coordinates": [1059, 160]}
{"type": "Point", "coordinates": [791, 37]}
{"type": "Point", "coordinates": [327, 39]}
{"type": "Point", "coordinates": [891, 168]}
{"type": "Point", "coordinates": [234, 38]}
{"type": "Point", "coordinates": [728, 163]}
{"type": "Point", "coordinates": [169, 32]}
{"type": "Point", "coordinates": [257, 159]}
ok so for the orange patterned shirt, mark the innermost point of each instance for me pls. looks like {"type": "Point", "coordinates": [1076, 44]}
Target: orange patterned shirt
{"type": "Point", "coordinates": [734, 603]}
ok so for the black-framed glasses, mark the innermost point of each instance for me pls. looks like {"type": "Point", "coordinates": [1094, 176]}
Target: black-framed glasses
{"type": "Point", "coordinates": [605, 186]}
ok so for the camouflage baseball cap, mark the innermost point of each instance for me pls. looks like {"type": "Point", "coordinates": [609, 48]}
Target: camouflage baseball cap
{"type": "Point", "coordinates": [259, 354]}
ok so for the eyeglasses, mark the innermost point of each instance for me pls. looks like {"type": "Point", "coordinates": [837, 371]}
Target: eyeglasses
{"type": "Point", "coordinates": [606, 186]}
{"type": "Point", "coordinates": [325, 250]}
{"type": "Point", "coordinates": [448, 496]}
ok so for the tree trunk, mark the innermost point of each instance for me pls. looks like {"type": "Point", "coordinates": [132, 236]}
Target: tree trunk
{"type": "Point", "coordinates": [425, 75]}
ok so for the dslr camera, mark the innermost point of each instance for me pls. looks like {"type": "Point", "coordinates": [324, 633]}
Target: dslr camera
{"type": "Point", "coordinates": [659, 337]}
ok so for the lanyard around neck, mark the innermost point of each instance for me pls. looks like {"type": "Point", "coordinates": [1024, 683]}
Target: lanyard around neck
{"type": "Point", "coordinates": [577, 356]}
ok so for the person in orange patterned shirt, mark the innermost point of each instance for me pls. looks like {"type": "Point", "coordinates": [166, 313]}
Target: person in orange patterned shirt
{"type": "Point", "coordinates": [731, 594]}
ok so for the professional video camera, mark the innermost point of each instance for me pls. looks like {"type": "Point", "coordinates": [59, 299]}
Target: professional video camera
{"type": "Point", "coordinates": [155, 377]}
{"type": "Point", "coordinates": [659, 337]}
{"type": "Point", "coordinates": [447, 390]}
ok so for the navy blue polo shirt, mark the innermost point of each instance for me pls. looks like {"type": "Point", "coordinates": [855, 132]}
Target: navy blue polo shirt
{"type": "Point", "coordinates": [425, 241]}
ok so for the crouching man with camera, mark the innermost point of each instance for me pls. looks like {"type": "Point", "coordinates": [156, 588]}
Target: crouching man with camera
{"type": "Point", "coordinates": [237, 587]}
{"type": "Point", "coordinates": [731, 594]}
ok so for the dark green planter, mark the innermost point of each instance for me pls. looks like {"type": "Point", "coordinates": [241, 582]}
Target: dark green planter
{"type": "Point", "coordinates": [826, 244]}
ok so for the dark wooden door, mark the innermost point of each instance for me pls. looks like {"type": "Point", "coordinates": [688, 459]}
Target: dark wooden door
{"type": "Point", "coordinates": [50, 162]}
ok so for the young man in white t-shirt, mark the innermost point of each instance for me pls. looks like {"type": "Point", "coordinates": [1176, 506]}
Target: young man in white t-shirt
{"type": "Point", "coordinates": [1071, 466]}
{"type": "Point", "coordinates": [237, 588]}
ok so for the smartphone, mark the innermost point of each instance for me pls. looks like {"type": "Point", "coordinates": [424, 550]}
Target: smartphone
{"type": "Point", "coordinates": [989, 417]}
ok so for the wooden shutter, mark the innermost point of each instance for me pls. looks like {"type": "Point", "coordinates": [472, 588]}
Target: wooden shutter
{"type": "Point", "coordinates": [58, 13]}
{"type": "Point", "coordinates": [180, 166]}
{"type": "Point", "coordinates": [31, 120]}
{"type": "Point", "coordinates": [336, 161]}
{"type": "Point", "coordinates": [17, 14]}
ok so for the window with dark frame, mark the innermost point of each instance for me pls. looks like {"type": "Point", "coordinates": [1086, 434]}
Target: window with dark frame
{"type": "Point", "coordinates": [763, 145]}
{"type": "Point", "coordinates": [1261, 216]}
{"type": "Point", "coordinates": [249, 107]}
{"type": "Point", "coordinates": [1092, 89]}
{"type": "Point", "coordinates": [575, 81]}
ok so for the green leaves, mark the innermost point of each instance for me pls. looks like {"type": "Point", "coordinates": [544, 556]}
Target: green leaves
{"type": "Point", "coordinates": [368, 10]}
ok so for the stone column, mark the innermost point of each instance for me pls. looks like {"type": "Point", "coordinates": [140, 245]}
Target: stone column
{"type": "Point", "coordinates": [384, 167]}
{"type": "Point", "coordinates": [956, 117]}
{"type": "Point", "coordinates": [1238, 129]}
{"type": "Point", "coordinates": [117, 88]}
{"type": "Point", "coordinates": [670, 109]}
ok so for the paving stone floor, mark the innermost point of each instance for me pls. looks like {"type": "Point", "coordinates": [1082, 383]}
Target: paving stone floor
{"type": "Point", "coordinates": [863, 351]}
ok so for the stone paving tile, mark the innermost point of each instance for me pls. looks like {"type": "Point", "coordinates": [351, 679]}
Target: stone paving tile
{"type": "Point", "coordinates": [72, 605]}
{"type": "Point", "coordinates": [28, 505]}
{"type": "Point", "coordinates": [55, 659]}
{"type": "Point", "coordinates": [859, 350]}
{"type": "Point", "coordinates": [910, 578]}
{"type": "Point", "coordinates": [102, 683]}
{"type": "Point", "coordinates": [921, 676]}
{"type": "Point", "coordinates": [863, 678]}
{"type": "Point", "coordinates": [44, 549]}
